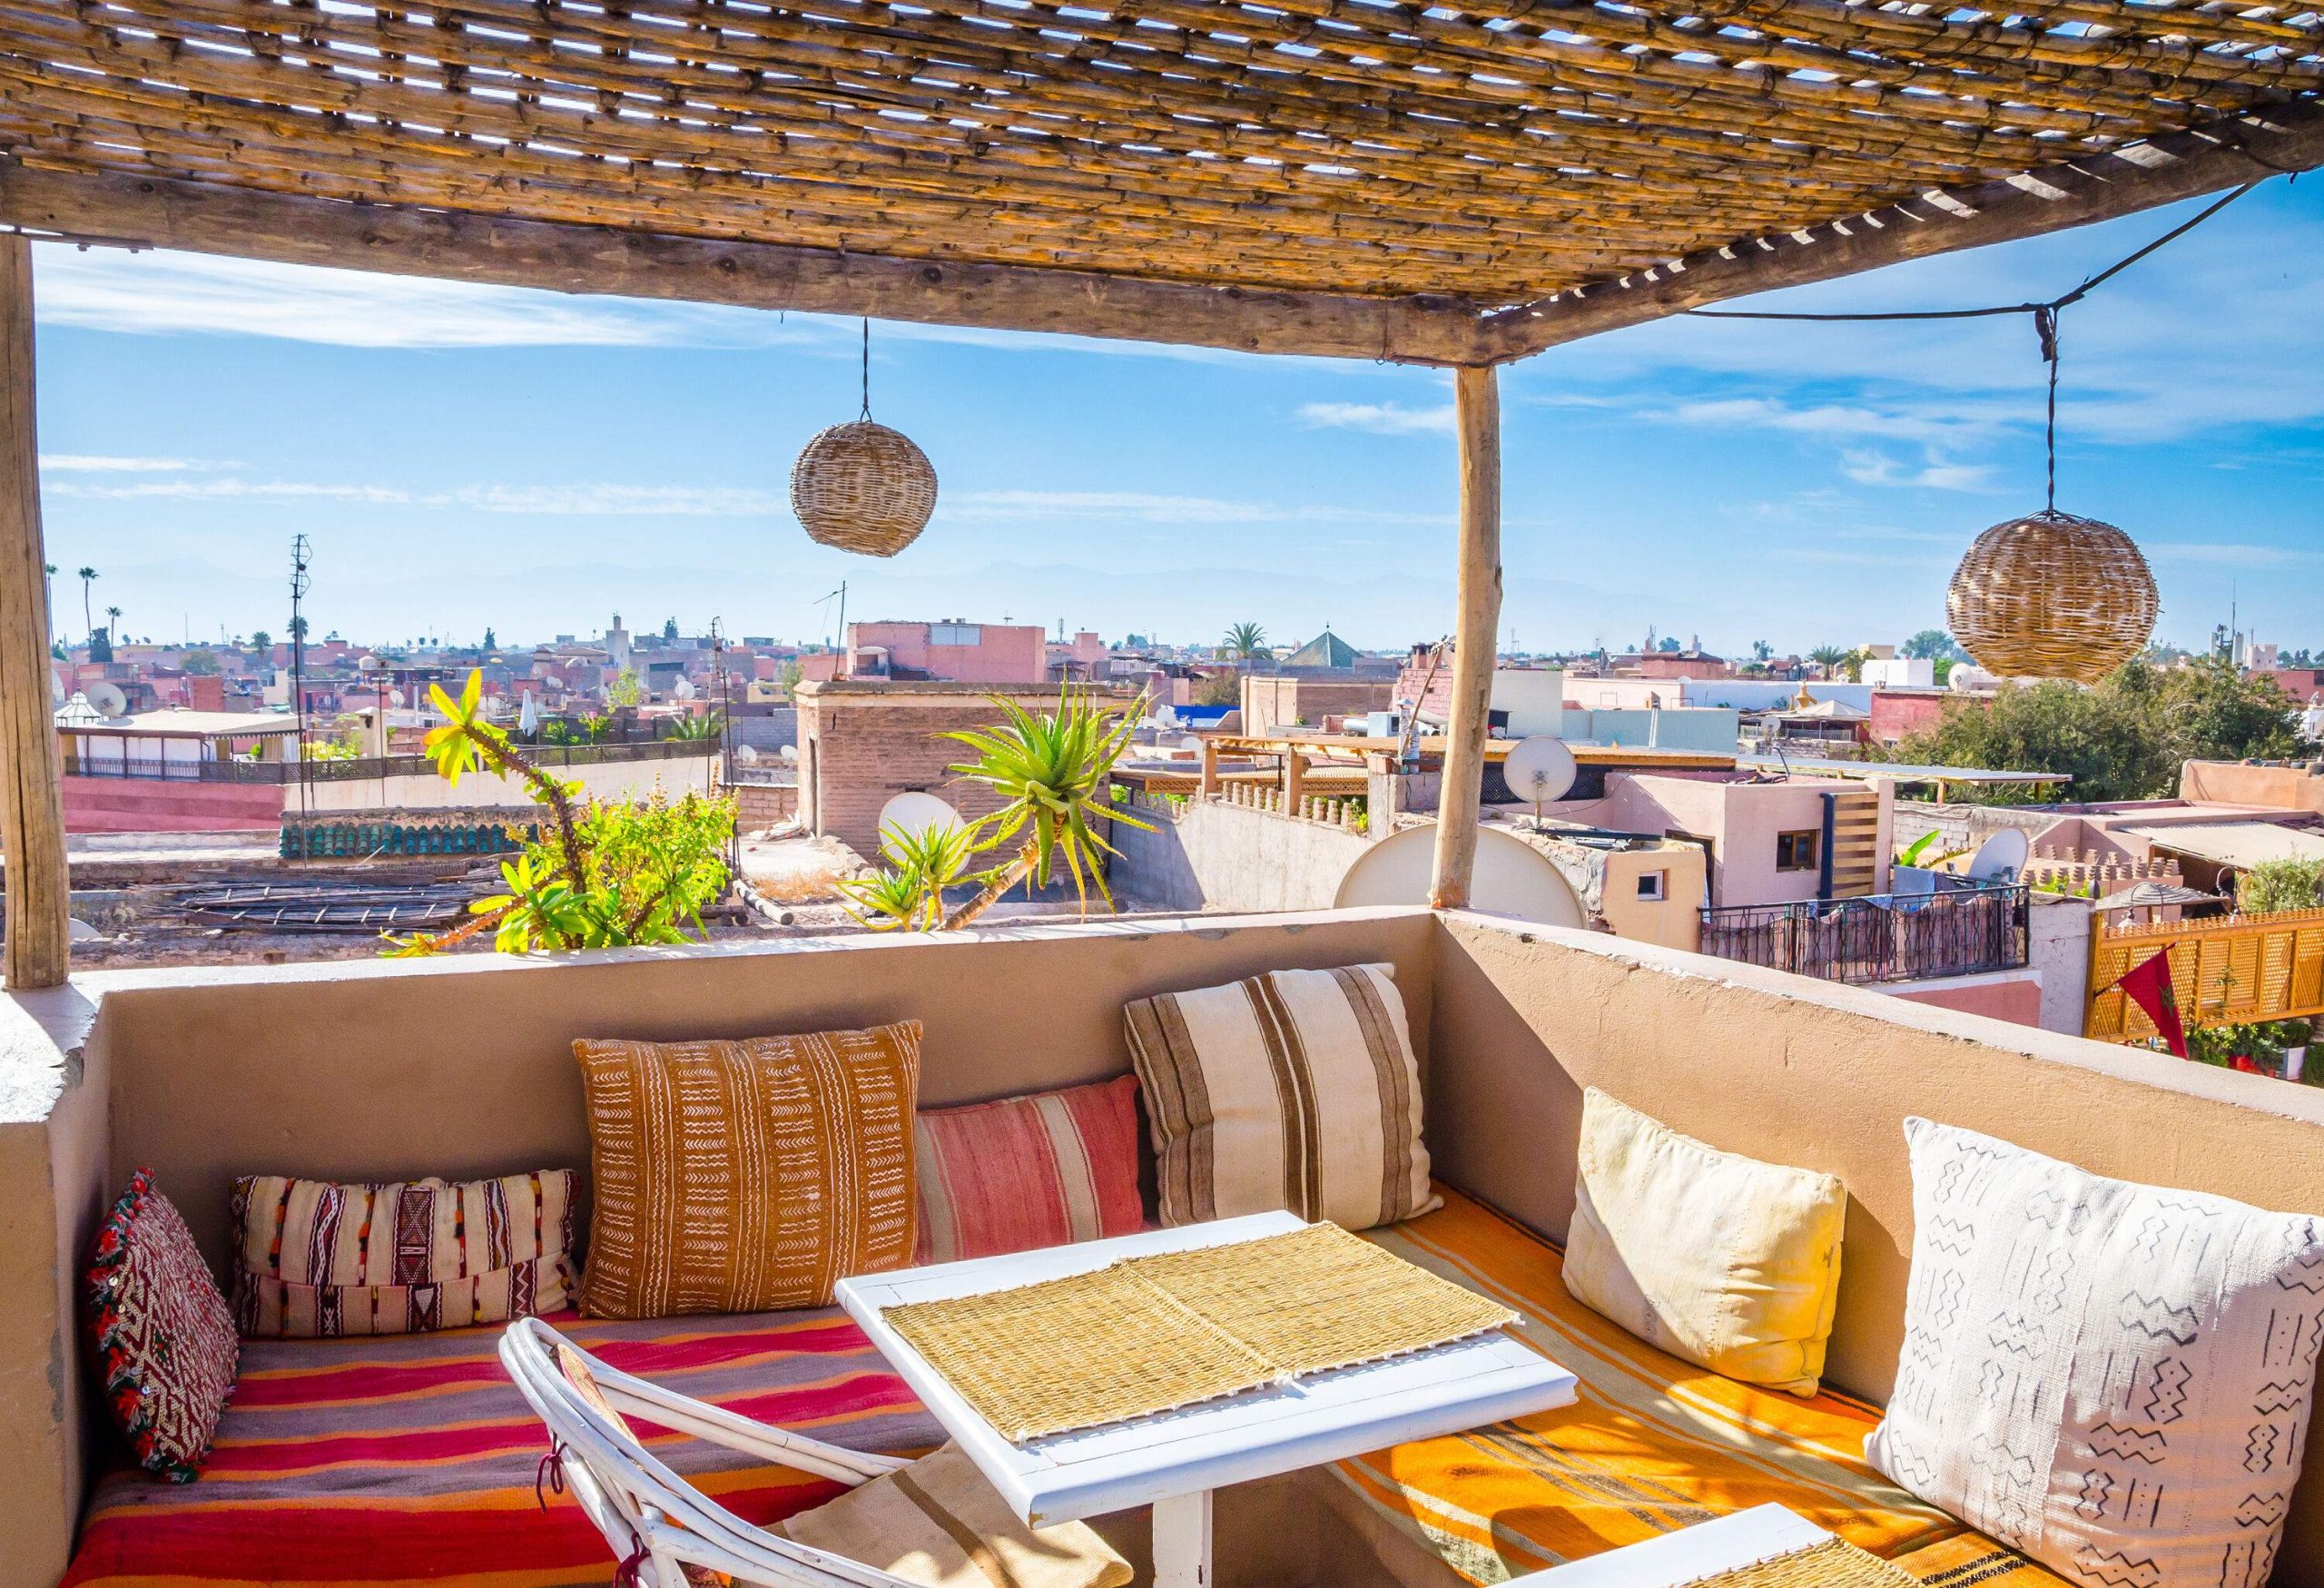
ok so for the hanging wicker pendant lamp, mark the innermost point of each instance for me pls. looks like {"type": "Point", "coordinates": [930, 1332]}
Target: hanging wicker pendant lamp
{"type": "Point", "coordinates": [861, 487]}
{"type": "Point", "coordinates": [2049, 595]}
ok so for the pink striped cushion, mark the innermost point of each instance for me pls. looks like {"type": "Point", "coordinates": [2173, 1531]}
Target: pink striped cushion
{"type": "Point", "coordinates": [1046, 1170]}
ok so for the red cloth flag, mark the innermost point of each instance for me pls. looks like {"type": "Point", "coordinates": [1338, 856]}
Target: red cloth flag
{"type": "Point", "coordinates": [2148, 985]}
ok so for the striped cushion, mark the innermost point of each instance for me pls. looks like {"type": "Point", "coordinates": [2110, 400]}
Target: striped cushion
{"type": "Point", "coordinates": [740, 1176]}
{"type": "Point", "coordinates": [314, 1259]}
{"type": "Point", "coordinates": [1293, 1089]}
{"type": "Point", "coordinates": [411, 1461]}
{"type": "Point", "coordinates": [1650, 1444]}
{"type": "Point", "coordinates": [1048, 1169]}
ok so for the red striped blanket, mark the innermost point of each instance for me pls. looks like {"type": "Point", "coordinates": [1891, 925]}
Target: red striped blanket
{"type": "Point", "coordinates": [410, 1459]}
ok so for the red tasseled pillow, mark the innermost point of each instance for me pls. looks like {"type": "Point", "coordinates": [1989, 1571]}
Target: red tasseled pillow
{"type": "Point", "coordinates": [165, 1343]}
{"type": "Point", "coordinates": [1040, 1170]}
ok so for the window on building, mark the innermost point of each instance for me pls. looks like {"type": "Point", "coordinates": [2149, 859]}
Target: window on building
{"type": "Point", "coordinates": [1651, 884]}
{"type": "Point", "coordinates": [956, 634]}
{"type": "Point", "coordinates": [1796, 852]}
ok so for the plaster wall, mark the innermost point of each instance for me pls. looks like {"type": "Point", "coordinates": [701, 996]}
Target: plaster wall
{"type": "Point", "coordinates": [1217, 856]}
{"type": "Point", "coordinates": [140, 805]}
{"type": "Point", "coordinates": [1741, 820]}
{"type": "Point", "coordinates": [2058, 951]}
{"type": "Point", "coordinates": [1824, 1076]}
{"type": "Point", "coordinates": [602, 780]}
{"type": "Point", "coordinates": [2014, 996]}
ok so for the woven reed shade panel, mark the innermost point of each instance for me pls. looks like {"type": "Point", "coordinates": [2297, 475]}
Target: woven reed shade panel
{"type": "Point", "coordinates": [1835, 1563]}
{"type": "Point", "coordinates": [1486, 155]}
{"type": "Point", "coordinates": [863, 488]}
{"type": "Point", "coordinates": [2050, 596]}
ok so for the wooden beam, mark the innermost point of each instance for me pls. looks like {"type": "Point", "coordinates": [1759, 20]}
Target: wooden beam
{"type": "Point", "coordinates": [1477, 425]}
{"type": "Point", "coordinates": [32, 804]}
{"type": "Point", "coordinates": [411, 241]}
{"type": "Point", "coordinates": [2160, 170]}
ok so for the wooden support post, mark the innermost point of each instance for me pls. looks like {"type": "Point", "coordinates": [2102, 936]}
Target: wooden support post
{"type": "Point", "coordinates": [32, 804]}
{"type": "Point", "coordinates": [1210, 768]}
{"type": "Point", "coordinates": [1477, 423]}
{"type": "Point", "coordinates": [1294, 778]}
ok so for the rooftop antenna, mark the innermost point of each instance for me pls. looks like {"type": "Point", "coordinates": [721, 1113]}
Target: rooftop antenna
{"type": "Point", "coordinates": [840, 595]}
{"type": "Point", "coordinates": [300, 584]}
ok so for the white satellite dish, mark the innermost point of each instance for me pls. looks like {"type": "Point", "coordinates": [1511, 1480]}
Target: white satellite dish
{"type": "Point", "coordinates": [2001, 858]}
{"type": "Point", "coordinates": [790, 753]}
{"type": "Point", "coordinates": [1167, 717]}
{"type": "Point", "coordinates": [107, 698]}
{"type": "Point", "coordinates": [1511, 878]}
{"type": "Point", "coordinates": [746, 756]}
{"type": "Point", "coordinates": [1191, 744]}
{"type": "Point", "coordinates": [917, 813]}
{"type": "Point", "coordinates": [1540, 770]}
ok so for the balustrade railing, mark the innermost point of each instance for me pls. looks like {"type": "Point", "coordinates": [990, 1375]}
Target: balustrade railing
{"type": "Point", "coordinates": [1892, 937]}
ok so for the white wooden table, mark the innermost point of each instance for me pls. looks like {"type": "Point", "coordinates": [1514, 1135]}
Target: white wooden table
{"type": "Point", "coordinates": [1763, 1533]}
{"type": "Point", "coordinates": [1173, 1461]}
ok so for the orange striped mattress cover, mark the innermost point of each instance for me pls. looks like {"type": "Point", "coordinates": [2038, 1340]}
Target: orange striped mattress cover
{"type": "Point", "coordinates": [1652, 1445]}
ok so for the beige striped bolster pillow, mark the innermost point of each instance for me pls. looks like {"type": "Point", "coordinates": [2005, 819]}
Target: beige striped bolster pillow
{"type": "Point", "coordinates": [1293, 1089]}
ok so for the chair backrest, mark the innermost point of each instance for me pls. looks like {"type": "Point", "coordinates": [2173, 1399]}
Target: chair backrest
{"type": "Point", "coordinates": [648, 1513]}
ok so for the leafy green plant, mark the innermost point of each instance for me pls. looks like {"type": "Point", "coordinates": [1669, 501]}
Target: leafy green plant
{"type": "Point", "coordinates": [2290, 883]}
{"type": "Point", "coordinates": [909, 893]}
{"type": "Point", "coordinates": [626, 689]}
{"type": "Point", "coordinates": [607, 875]}
{"type": "Point", "coordinates": [1048, 768]}
{"type": "Point", "coordinates": [696, 730]}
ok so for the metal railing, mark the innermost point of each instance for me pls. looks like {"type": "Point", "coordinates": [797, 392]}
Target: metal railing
{"type": "Point", "coordinates": [1889, 938]}
{"type": "Point", "coordinates": [233, 769]}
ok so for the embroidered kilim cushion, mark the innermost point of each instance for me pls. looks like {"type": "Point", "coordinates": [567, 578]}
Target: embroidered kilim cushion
{"type": "Point", "coordinates": [1025, 1172]}
{"type": "Point", "coordinates": [1295, 1090]}
{"type": "Point", "coordinates": [166, 1342]}
{"type": "Point", "coordinates": [1729, 1262]}
{"type": "Point", "coordinates": [744, 1175]}
{"type": "Point", "coordinates": [314, 1259]}
{"type": "Point", "coordinates": [938, 1522]}
{"type": "Point", "coordinates": [2112, 1378]}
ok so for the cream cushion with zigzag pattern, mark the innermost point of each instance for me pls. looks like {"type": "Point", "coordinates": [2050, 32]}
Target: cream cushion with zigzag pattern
{"type": "Point", "coordinates": [2112, 1378]}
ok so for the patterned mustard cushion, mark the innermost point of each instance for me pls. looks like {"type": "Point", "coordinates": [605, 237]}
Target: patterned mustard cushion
{"type": "Point", "coordinates": [938, 1522]}
{"type": "Point", "coordinates": [746, 1176]}
{"type": "Point", "coordinates": [1294, 1089]}
{"type": "Point", "coordinates": [1732, 1264]}
{"type": "Point", "coordinates": [166, 1342]}
{"type": "Point", "coordinates": [314, 1259]}
{"type": "Point", "coordinates": [1025, 1172]}
{"type": "Point", "coordinates": [2112, 1378]}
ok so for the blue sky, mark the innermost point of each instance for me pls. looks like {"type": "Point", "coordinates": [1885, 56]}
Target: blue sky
{"type": "Point", "coordinates": [465, 456]}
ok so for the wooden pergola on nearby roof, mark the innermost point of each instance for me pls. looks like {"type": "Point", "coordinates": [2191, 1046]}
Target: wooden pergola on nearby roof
{"type": "Point", "coordinates": [1428, 184]}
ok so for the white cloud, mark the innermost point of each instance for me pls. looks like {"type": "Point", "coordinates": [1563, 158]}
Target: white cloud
{"type": "Point", "coordinates": [1381, 419]}
{"type": "Point", "coordinates": [1876, 467]}
{"type": "Point", "coordinates": [1822, 418]}
{"type": "Point", "coordinates": [93, 463]}
{"type": "Point", "coordinates": [186, 489]}
{"type": "Point", "coordinates": [1005, 506]}
{"type": "Point", "coordinates": [619, 500]}
{"type": "Point", "coordinates": [2229, 554]}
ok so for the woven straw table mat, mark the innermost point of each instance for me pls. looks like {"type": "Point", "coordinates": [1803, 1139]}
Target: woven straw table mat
{"type": "Point", "coordinates": [1834, 1563]}
{"type": "Point", "coordinates": [1155, 1333]}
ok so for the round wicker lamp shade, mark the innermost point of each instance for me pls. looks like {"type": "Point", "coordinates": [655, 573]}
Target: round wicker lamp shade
{"type": "Point", "coordinates": [863, 488]}
{"type": "Point", "coordinates": [2050, 596]}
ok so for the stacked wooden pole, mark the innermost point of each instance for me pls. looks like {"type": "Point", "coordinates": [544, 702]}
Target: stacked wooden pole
{"type": "Point", "coordinates": [1477, 425]}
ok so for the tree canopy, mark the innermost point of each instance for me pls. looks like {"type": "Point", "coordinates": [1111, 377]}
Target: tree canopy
{"type": "Point", "coordinates": [2123, 739]}
{"type": "Point", "coordinates": [1930, 644]}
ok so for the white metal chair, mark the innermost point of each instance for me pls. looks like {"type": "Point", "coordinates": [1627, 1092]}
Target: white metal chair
{"type": "Point", "coordinates": [656, 1522]}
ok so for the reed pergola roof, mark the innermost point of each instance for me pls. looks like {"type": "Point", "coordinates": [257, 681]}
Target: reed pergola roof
{"type": "Point", "coordinates": [1350, 177]}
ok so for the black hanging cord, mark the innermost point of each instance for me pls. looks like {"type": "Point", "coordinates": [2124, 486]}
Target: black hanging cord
{"type": "Point", "coordinates": [2045, 322]}
{"type": "Point", "coordinates": [867, 367]}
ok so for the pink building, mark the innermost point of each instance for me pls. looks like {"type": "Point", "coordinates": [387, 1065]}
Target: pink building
{"type": "Point", "coordinates": [951, 652]}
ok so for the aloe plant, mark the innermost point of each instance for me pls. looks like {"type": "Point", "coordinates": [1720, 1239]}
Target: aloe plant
{"type": "Point", "coordinates": [909, 893]}
{"type": "Point", "coordinates": [1047, 768]}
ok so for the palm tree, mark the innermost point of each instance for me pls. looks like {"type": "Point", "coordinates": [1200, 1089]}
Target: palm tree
{"type": "Point", "coordinates": [1829, 658]}
{"type": "Point", "coordinates": [1246, 641]}
{"type": "Point", "coordinates": [113, 622]}
{"type": "Point", "coordinates": [88, 620]}
{"type": "Point", "coordinates": [1047, 770]}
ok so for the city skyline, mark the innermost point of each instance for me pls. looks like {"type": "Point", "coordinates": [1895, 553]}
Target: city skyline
{"type": "Point", "coordinates": [464, 457]}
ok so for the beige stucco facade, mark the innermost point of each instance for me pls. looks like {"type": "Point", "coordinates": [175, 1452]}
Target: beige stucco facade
{"type": "Point", "coordinates": [463, 1066]}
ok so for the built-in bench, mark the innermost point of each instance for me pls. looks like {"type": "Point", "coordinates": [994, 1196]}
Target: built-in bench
{"type": "Point", "coordinates": [413, 1459]}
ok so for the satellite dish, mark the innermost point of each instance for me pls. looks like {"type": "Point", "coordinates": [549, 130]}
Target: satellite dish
{"type": "Point", "coordinates": [107, 698]}
{"type": "Point", "coordinates": [1540, 770]}
{"type": "Point", "coordinates": [1191, 744]}
{"type": "Point", "coordinates": [790, 753]}
{"type": "Point", "coordinates": [746, 755]}
{"type": "Point", "coordinates": [2000, 858]}
{"type": "Point", "coordinates": [917, 813]}
{"type": "Point", "coordinates": [1511, 878]}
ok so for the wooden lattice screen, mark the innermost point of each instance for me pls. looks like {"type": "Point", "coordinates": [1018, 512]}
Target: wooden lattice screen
{"type": "Point", "coordinates": [2243, 968]}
